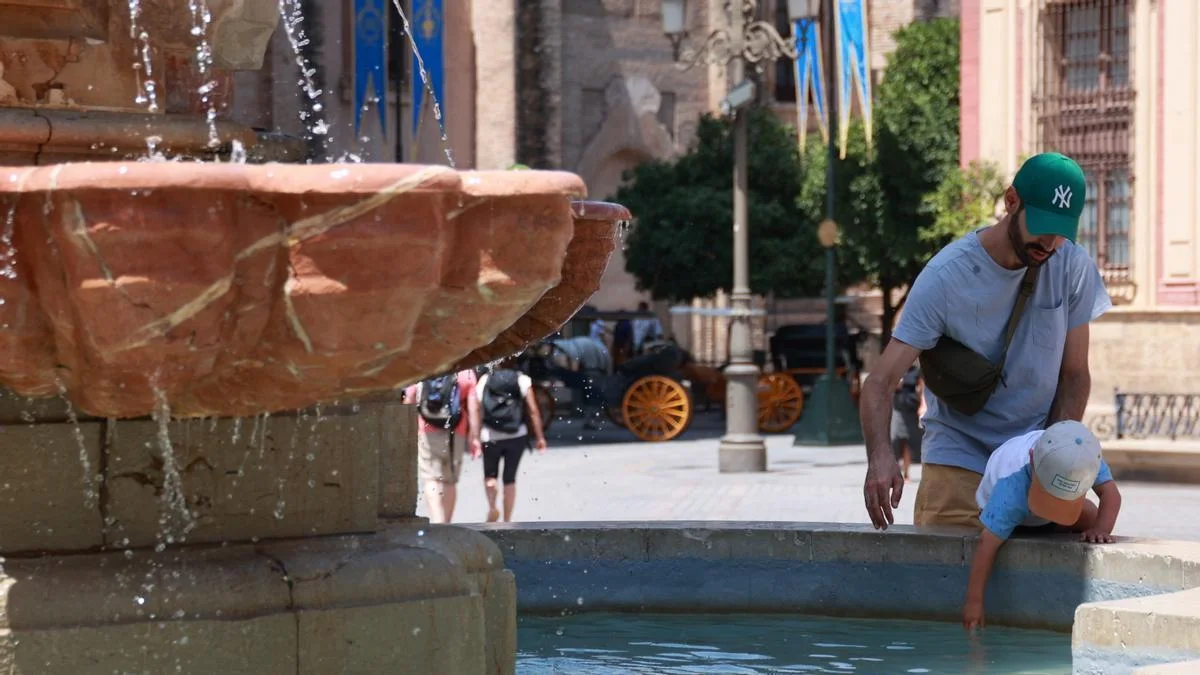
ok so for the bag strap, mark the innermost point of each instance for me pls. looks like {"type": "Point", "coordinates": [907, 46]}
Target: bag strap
{"type": "Point", "coordinates": [1023, 295]}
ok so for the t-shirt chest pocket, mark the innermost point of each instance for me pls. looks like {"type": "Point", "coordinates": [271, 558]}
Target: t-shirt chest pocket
{"type": "Point", "coordinates": [1048, 324]}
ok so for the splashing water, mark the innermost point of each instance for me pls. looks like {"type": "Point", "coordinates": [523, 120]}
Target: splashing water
{"type": "Point", "coordinates": [174, 505]}
{"type": "Point", "coordinates": [85, 462]}
{"type": "Point", "coordinates": [237, 152]}
{"type": "Point", "coordinates": [437, 108]}
{"type": "Point", "coordinates": [201, 18]}
{"type": "Point", "coordinates": [143, 65]}
{"type": "Point", "coordinates": [8, 252]}
{"type": "Point", "coordinates": [293, 25]}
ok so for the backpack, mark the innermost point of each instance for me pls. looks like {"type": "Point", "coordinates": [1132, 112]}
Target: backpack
{"type": "Point", "coordinates": [503, 407]}
{"type": "Point", "coordinates": [441, 405]}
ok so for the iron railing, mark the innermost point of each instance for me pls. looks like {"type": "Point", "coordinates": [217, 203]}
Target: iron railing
{"type": "Point", "coordinates": [1144, 415]}
{"type": "Point", "coordinates": [1084, 104]}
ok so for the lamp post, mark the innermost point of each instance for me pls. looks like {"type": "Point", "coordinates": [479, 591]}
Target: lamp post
{"type": "Point", "coordinates": [830, 416]}
{"type": "Point", "coordinates": [746, 40]}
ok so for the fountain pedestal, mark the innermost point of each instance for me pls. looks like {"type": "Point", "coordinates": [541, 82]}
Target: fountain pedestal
{"type": "Point", "coordinates": [304, 553]}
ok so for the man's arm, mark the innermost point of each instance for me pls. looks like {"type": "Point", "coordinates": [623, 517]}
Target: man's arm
{"type": "Point", "coordinates": [884, 484]}
{"type": "Point", "coordinates": [1074, 378]}
{"type": "Point", "coordinates": [981, 569]}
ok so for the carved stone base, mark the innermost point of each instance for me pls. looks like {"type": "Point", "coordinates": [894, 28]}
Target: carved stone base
{"type": "Point", "coordinates": [410, 598]}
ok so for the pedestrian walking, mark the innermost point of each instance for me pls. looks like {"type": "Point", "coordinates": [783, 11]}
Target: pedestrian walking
{"type": "Point", "coordinates": [504, 419]}
{"type": "Point", "coordinates": [908, 404]}
{"type": "Point", "coordinates": [443, 429]}
{"type": "Point", "coordinates": [999, 320]}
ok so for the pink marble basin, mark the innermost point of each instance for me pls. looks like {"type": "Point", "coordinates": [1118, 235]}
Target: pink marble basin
{"type": "Point", "coordinates": [224, 289]}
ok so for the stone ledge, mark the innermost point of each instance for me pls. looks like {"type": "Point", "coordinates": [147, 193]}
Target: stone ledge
{"type": "Point", "coordinates": [1157, 460]}
{"type": "Point", "coordinates": [1180, 668]}
{"type": "Point", "coordinates": [1137, 631]}
{"type": "Point", "coordinates": [834, 569]}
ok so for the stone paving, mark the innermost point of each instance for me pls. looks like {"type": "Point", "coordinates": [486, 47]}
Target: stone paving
{"type": "Point", "coordinates": [606, 474]}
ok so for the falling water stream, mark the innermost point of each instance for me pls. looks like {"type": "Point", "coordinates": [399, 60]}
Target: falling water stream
{"type": "Point", "coordinates": [201, 19]}
{"type": "Point", "coordinates": [175, 519]}
{"type": "Point", "coordinates": [293, 26]}
{"type": "Point", "coordinates": [89, 479]}
{"type": "Point", "coordinates": [142, 63]}
{"type": "Point", "coordinates": [437, 108]}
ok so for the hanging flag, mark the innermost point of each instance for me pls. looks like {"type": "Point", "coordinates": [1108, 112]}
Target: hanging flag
{"type": "Point", "coordinates": [853, 66]}
{"type": "Point", "coordinates": [810, 78]}
{"type": "Point", "coordinates": [370, 59]}
{"type": "Point", "coordinates": [427, 33]}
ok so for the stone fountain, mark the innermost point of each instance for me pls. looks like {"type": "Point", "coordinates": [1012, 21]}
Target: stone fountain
{"type": "Point", "coordinates": [205, 466]}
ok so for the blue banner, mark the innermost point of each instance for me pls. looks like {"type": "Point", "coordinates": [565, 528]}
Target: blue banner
{"type": "Point", "coordinates": [370, 59]}
{"type": "Point", "coordinates": [810, 78]}
{"type": "Point", "coordinates": [428, 26]}
{"type": "Point", "coordinates": [853, 66]}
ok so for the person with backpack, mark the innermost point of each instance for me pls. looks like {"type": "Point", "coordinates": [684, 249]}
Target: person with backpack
{"type": "Point", "coordinates": [444, 405]}
{"type": "Point", "coordinates": [501, 425]}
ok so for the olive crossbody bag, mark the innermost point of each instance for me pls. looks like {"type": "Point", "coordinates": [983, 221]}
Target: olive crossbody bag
{"type": "Point", "coordinates": [960, 376]}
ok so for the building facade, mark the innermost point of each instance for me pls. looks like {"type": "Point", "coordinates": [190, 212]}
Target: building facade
{"type": "Point", "coordinates": [1115, 84]}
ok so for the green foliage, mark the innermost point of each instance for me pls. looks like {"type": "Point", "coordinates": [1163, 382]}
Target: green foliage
{"type": "Point", "coordinates": [681, 244]}
{"type": "Point", "coordinates": [897, 203]}
{"type": "Point", "coordinates": [965, 200]}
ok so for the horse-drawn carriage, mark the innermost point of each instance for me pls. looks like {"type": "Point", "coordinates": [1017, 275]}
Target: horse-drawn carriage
{"type": "Point", "coordinates": [797, 360]}
{"type": "Point", "coordinates": [645, 394]}
{"type": "Point", "coordinates": [653, 395]}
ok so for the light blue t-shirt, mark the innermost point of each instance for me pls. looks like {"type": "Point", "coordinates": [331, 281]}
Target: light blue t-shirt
{"type": "Point", "coordinates": [967, 295]}
{"type": "Point", "coordinates": [1003, 494]}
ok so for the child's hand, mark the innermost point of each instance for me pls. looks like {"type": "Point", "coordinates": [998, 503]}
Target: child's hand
{"type": "Point", "coordinates": [973, 615]}
{"type": "Point", "coordinates": [1097, 536]}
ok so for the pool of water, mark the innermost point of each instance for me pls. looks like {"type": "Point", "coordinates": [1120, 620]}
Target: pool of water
{"type": "Point", "coordinates": [604, 644]}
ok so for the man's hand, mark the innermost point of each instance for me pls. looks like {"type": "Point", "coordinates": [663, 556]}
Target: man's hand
{"type": "Point", "coordinates": [1097, 536]}
{"type": "Point", "coordinates": [540, 445]}
{"type": "Point", "coordinates": [884, 483]}
{"type": "Point", "coordinates": [882, 490]}
{"type": "Point", "coordinates": [972, 615]}
{"type": "Point", "coordinates": [476, 449]}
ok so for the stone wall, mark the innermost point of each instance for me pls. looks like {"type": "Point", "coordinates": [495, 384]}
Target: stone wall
{"type": "Point", "coordinates": [1144, 352]}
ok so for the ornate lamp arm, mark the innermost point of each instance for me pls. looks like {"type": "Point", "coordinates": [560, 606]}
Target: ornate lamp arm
{"type": "Point", "coordinates": [759, 41]}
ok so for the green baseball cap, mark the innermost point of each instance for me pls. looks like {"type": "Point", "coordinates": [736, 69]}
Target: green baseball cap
{"type": "Point", "coordinates": [1052, 190]}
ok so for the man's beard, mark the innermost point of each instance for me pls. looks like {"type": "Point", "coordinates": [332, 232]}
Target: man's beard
{"type": "Point", "coordinates": [1022, 249]}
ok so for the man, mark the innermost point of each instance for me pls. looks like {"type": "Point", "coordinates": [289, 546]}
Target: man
{"type": "Point", "coordinates": [645, 330]}
{"type": "Point", "coordinates": [969, 292]}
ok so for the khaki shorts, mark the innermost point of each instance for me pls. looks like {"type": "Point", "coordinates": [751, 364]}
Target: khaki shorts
{"type": "Point", "coordinates": [436, 460]}
{"type": "Point", "coordinates": [947, 497]}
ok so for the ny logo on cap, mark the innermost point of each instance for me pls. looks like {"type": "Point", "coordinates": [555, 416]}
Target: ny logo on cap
{"type": "Point", "coordinates": [1062, 197]}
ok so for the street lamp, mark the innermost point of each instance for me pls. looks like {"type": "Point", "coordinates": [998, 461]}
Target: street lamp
{"type": "Point", "coordinates": [746, 40]}
{"type": "Point", "coordinates": [830, 416]}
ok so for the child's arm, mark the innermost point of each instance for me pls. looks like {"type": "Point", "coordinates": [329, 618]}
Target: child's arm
{"type": "Point", "coordinates": [981, 569]}
{"type": "Point", "coordinates": [1106, 514]}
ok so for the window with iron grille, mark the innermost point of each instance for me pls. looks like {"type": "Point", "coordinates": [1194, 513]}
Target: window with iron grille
{"type": "Point", "coordinates": [1084, 107]}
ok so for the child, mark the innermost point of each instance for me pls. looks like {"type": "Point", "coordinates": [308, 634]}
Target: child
{"type": "Point", "coordinates": [1040, 480]}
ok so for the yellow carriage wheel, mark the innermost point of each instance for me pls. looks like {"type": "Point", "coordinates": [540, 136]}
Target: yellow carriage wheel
{"type": "Point", "coordinates": [656, 408]}
{"type": "Point", "coordinates": [545, 403]}
{"type": "Point", "coordinates": [780, 402]}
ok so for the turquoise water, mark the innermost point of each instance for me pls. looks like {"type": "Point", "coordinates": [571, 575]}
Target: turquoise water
{"type": "Point", "coordinates": [608, 644]}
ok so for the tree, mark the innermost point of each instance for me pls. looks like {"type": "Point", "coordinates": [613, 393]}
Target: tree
{"type": "Point", "coordinates": [965, 200]}
{"type": "Point", "coordinates": [680, 247]}
{"type": "Point", "coordinates": [916, 147]}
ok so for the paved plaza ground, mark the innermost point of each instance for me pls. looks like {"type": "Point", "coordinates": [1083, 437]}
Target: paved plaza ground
{"type": "Point", "coordinates": [606, 474]}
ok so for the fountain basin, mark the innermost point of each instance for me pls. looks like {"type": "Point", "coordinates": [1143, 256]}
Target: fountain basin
{"type": "Point", "coordinates": [232, 290]}
{"type": "Point", "coordinates": [1126, 605]}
